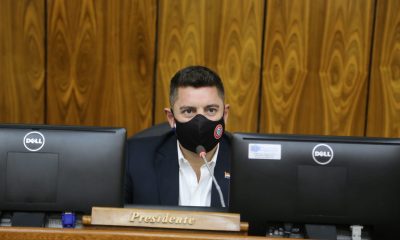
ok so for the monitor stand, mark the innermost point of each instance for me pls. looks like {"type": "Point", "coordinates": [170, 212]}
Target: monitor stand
{"type": "Point", "coordinates": [28, 219]}
{"type": "Point", "coordinates": [316, 231]}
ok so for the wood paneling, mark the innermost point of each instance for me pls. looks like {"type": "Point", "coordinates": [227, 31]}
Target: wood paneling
{"type": "Point", "coordinates": [22, 61]}
{"type": "Point", "coordinates": [101, 58]}
{"type": "Point", "coordinates": [316, 66]}
{"type": "Point", "coordinates": [101, 62]}
{"type": "Point", "coordinates": [223, 35]}
{"type": "Point", "coordinates": [384, 94]}
{"type": "Point", "coordinates": [118, 233]}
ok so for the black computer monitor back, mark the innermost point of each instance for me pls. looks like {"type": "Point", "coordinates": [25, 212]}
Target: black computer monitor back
{"type": "Point", "coordinates": [60, 168]}
{"type": "Point", "coordinates": [315, 179]}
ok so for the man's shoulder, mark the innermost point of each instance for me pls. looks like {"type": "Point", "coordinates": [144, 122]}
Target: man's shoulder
{"type": "Point", "coordinates": [152, 140]}
{"type": "Point", "coordinates": [227, 136]}
{"type": "Point", "coordinates": [227, 139]}
{"type": "Point", "coordinates": [155, 131]}
{"type": "Point", "coordinates": [226, 144]}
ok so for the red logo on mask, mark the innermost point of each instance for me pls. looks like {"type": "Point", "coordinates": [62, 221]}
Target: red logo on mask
{"type": "Point", "coordinates": [218, 131]}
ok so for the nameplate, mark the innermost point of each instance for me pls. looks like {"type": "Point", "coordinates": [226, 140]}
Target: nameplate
{"type": "Point", "coordinates": [156, 218]}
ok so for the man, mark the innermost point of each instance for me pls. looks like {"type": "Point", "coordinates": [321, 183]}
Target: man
{"type": "Point", "coordinates": [165, 169]}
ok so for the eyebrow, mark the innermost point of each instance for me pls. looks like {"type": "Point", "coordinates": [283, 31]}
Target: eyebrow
{"type": "Point", "coordinates": [186, 107]}
{"type": "Point", "coordinates": [192, 107]}
{"type": "Point", "coordinates": [212, 105]}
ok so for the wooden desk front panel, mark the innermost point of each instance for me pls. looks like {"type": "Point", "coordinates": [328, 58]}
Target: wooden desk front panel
{"type": "Point", "coordinates": [26, 233]}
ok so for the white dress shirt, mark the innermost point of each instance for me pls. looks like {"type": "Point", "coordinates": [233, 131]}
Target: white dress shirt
{"type": "Point", "coordinates": [191, 191]}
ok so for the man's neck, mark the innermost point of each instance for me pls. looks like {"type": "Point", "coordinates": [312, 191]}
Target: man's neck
{"type": "Point", "coordinates": [195, 160]}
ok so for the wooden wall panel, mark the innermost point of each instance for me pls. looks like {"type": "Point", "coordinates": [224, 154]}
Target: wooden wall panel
{"type": "Point", "coordinates": [384, 94]}
{"type": "Point", "coordinates": [101, 62]}
{"type": "Point", "coordinates": [22, 61]}
{"type": "Point", "coordinates": [223, 35]}
{"type": "Point", "coordinates": [316, 66]}
{"type": "Point", "coordinates": [101, 58]}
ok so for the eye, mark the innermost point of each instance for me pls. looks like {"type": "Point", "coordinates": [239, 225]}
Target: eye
{"type": "Point", "coordinates": [211, 111]}
{"type": "Point", "coordinates": [188, 112]}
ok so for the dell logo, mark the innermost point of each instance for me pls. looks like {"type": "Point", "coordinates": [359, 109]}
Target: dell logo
{"type": "Point", "coordinates": [322, 154]}
{"type": "Point", "coordinates": [34, 141]}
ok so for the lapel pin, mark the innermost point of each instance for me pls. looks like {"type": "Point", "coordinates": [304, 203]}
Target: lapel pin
{"type": "Point", "coordinates": [227, 175]}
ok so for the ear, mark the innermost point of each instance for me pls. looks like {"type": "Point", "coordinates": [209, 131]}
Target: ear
{"type": "Point", "coordinates": [170, 117]}
{"type": "Point", "coordinates": [226, 112]}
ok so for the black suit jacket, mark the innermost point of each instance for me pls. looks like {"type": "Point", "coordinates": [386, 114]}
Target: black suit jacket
{"type": "Point", "coordinates": [152, 171]}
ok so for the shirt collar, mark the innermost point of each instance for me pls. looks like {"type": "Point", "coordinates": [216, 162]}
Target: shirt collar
{"type": "Point", "coordinates": [182, 160]}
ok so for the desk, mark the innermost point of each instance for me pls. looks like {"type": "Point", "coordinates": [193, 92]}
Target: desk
{"type": "Point", "coordinates": [27, 233]}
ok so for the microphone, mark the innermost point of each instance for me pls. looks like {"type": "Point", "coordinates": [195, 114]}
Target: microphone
{"type": "Point", "coordinates": [202, 153]}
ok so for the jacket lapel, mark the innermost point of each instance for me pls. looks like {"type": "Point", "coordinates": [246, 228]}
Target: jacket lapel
{"type": "Point", "coordinates": [167, 170]}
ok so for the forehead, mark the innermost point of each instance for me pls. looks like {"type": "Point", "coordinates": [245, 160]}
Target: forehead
{"type": "Point", "coordinates": [197, 97]}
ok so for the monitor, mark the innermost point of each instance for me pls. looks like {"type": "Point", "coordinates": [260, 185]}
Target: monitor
{"type": "Point", "coordinates": [60, 168]}
{"type": "Point", "coordinates": [315, 179]}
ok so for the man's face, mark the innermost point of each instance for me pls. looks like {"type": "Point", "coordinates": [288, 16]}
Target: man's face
{"type": "Point", "coordinates": [191, 101]}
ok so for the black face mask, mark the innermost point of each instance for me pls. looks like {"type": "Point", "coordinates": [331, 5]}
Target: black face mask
{"type": "Point", "coordinates": [200, 131]}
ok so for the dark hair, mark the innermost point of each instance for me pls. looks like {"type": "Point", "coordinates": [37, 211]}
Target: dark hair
{"type": "Point", "coordinates": [194, 76]}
